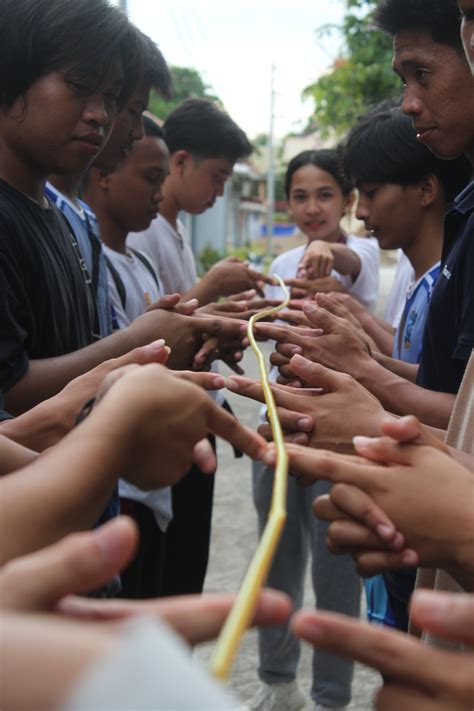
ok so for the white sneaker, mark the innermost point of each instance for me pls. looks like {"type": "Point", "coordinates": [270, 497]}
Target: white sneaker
{"type": "Point", "coordinates": [278, 697]}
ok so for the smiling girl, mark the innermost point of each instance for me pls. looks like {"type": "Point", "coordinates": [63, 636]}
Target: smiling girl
{"type": "Point", "coordinates": [319, 196]}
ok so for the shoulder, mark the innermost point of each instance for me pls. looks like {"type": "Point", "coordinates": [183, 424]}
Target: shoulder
{"type": "Point", "coordinates": [363, 245]}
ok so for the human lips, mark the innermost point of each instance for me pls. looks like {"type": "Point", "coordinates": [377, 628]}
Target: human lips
{"type": "Point", "coordinates": [94, 139]}
{"type": "Point", "coordinates": [423, 133]}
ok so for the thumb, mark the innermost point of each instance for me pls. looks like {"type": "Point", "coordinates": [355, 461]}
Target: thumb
{"type": "Point", "coordinates": [79, 563]}
{"type": "Point", "coordinates": [155, 352]}
{"type": "Point", "coordinates": [315, 374]}
{"type": "Point", "coordinates": [319, 317]}
{"type": "Point", "coordinates": [447, 615]}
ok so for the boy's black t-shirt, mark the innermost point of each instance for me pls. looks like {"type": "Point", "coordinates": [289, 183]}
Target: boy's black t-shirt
{"type": "Point", "coordinates": [449, 332]}
{"type": "Point", "coordinates": [45, 307]}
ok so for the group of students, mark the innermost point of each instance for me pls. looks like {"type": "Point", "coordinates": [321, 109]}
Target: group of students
{"type": "Point", "coordinates": [109, 343]}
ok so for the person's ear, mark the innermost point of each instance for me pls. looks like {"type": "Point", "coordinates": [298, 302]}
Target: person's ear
{"type": "Point", "coordinates": [102, 178]}
{"type": "Point", "coordinates": [348, 203]}
{"type": "Point", "coordinates": [179, 161]}
{"type": "Point", "coordinates": [429, 190]}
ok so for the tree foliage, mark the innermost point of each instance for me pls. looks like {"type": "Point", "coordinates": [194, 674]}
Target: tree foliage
{"type": "Point", "coordinates": [360, 77]}
{"type": "Point", "coordinates": [187, 83]}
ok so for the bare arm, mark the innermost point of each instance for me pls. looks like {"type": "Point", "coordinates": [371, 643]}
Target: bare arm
{"type": "Point", "coordinates": [399, 367]}
{"type": "Point", "coordinates": [346, 261]}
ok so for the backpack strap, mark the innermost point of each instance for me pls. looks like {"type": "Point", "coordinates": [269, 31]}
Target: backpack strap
{"type": "Point", "coordinates": [146, 262]}
{"type": "Point", "coordinates": [119, 285]}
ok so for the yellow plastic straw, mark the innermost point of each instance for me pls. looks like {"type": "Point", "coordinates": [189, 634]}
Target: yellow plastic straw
{"type": "Point", "coordinates": [245, 605]}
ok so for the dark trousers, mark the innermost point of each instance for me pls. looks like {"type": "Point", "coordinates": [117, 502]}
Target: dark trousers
{"type": "Point", "coordinates": [175, 562]}
{"type": "Point", "coordinates": [143, 578]}
{"type": "Point", "coordinates": [189, 533]}
{"type": "Point", "coordinates": [400, 585]}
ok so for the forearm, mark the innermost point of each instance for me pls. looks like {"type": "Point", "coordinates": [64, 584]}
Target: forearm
{"type": "Point", "coordinates": [399, 367]}
{"type": "Point", "coordinates": [47, 376]}
{"type": "Point", "coordinates": [345, 260]}
{"type": "Point", "coordinates": [13, 456]}
{"type": "Point", "coordinates": [44, 425]}
{"type": "Point", "coordinates": [402, 397]}
{"type": "Point", "coordinates": [205, 291]}
{"type": "Point", "coordinates": [64, 490]}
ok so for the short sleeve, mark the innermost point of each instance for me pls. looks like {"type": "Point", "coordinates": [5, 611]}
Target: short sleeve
{"type": "Point", "coordinates": [366, 287]}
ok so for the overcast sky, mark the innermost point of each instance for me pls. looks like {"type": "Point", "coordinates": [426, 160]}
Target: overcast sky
{"type": "Point", "coordinates": [232, 43]}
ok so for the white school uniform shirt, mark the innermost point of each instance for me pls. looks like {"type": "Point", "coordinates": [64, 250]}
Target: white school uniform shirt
{"type": "Point", "coordinates": [170, 252]}
{"type": "Point", "coordinates": [365, 288]}
{"type": "Point", "coordinates": [403, 277]}
{"type": "Point", "coordinates": [141, 290]}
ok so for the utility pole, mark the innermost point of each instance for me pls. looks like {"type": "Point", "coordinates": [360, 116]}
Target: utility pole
{"type": "Point", "coordinates": [271, 169]}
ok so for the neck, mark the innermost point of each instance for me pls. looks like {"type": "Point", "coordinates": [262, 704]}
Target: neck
{"type": "Point", "coordinates": [21, 175]}
{"type": "Point", "coordinates": [67, 184]}
{"type": "Point", "coordinates": [425, 249]}
{"type": "Point", "coordinates": [169, 208]}
{"type": "Point", "coordinates": [111, 233]}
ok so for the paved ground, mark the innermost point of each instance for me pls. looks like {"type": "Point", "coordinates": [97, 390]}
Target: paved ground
{"type": "Point", "coordinates": [234, 538]}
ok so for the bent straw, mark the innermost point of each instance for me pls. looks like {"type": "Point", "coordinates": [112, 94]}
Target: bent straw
{"type": "Point", "coordinates": [244, 607]}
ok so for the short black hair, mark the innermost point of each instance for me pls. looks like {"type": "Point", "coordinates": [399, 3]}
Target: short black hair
{"type": "Point", "coordinates": [154, 69]}
{"type": "Point", "coordinates": [327, 159]}
{"type": "Point", "coordinates": [383, 148]}
{"type": "Point", "coordinates": [82, 37]}
{"type": "Point", "coordinates": [440, 17]}
{"type": "Point", "coordinates": [206, 131]}
{"type": "Point", "coordinates": [152, 128]}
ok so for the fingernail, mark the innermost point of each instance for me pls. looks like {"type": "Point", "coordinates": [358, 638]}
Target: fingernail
{"type": "Point", "coordinates": [435, 605]}
{"type": "Point", "coordinates": [296, 350]}
{"type": "Point", "coordinates": [192, 302]}
{"type": "Point", "coordinates": [269, 458]}
{"type": "Point", "coordinates": [305, 423]}
{"type": "Point", "coordinates": [231, 384]}
{"type": "Point", "coordinates": [360, 441]}
{"type": "Point", "coordinates": [385, 531]}
{"type": "Point", "coordinates": [309, 307]}
{"type": "Point", "coordinates": [300, 360]}
{"type": "Point", "coordinates": [218, 381]}
{"type": "Point", "coordinates": [167, 349]}
{"type": "Point", "coordinates": [310, 630]}
{"type": "Point", "coordinates": [410, 557]}
{"type": "Point", "coordinates": [155, 345]}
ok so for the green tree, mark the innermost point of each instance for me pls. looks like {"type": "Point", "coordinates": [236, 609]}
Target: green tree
{"type": "Point", "coordinates": [360, 77]}
{"type": "Point", "coordinates": [187, 83]}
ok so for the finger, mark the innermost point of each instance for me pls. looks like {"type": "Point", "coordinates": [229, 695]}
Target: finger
{"type": "Point", "coordinates": [283, 396]}
{"type": "Point", "coordinates": [358, 505]}
{"type": "Point", "coordinates": [78, 563]}
{"type": "Point", "coordinates": [318, 375]}
{"type": "Point", "coordinates": [258, 276]}
{"type": "Point", "coordinates": [278, 360]}
{"type": "Point", "coordinates": [208, 381]}
{"type": "Point", "coordinates": [242, 296]}
{"type": "Point", "coordinates": [322, 464]}
{"type": "Point", "coordinates": [187, 308]}
{"type": "Point", "coordinates": [288, 349]}
{"type": "Point", "coordinates": [382, 449]}
{"type": "Point", "coordinates": [394, 654]}
{"type": "Point", "coordinates": [113, 377]}
{"type": "Point", "coordinates": [291, 437]}
{"type": "Point", "coordinates": [448, 615]}
{"type": "Point", "coordinates": [233, 365]}
{"type": "Point", "coordinates": [204, 456]}
{"type": "Point", "coordinates": [278, 333]}
{"type": "Point", "coordinates": [224, 425]}
{"type": "Point", "coordinates": [206, 353]}
{"type": "Point", "coordinates": [369, 563]}
{"type": "Point", "coordinates": [351, 537]}
{"type": "Point", "coordinates": [168, 301]}
{"type": "Point", "coordinates": [394, 697]}
{"type": "Point", "coordinates": [321, 318]}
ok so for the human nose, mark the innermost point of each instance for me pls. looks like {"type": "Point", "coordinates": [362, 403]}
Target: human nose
{"type": "Point", "coordinates": [362, 211]}
{"type": "Point", "coordinates": [312, 206]}
{"type": "Point", "coordinates": [411, 104]}
{"type": "Point", "coordinates": [97, 112]}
